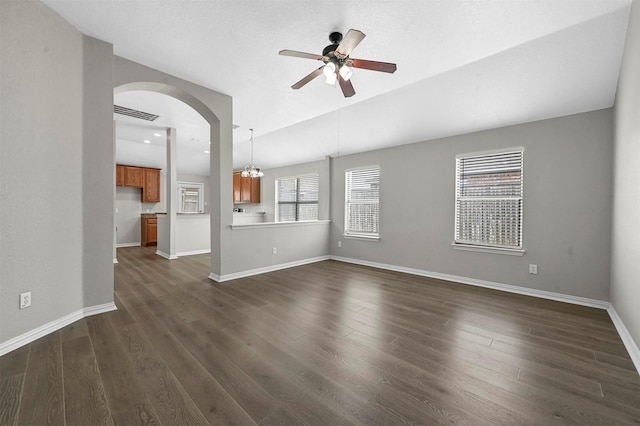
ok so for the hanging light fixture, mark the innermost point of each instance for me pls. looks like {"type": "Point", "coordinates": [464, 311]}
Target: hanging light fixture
{"type": "Point", "coordinates": [251, 170]}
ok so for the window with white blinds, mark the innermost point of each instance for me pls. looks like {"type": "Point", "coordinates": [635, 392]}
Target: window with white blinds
{"type": "Point", "coordinates": [489, 199]}
{"type": "Point", "coordinates": [297, 199]}
{"type": "Point", "coordinates": [362, 202]}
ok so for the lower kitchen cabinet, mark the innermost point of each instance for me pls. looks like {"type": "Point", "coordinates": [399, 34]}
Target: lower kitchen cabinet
{"type": "Point", "coordinates": [149, 230]}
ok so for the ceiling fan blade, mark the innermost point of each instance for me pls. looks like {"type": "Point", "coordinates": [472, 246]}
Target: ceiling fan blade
{"type": "Point", "coordinates": [297, 54]}
{"type": "Point", "coordinates": [373, 65]}
{"type": "Point", "coordinates": [349, 42]}
{"type": "Point", "coordinates": [346, 86]}
{"type": "Point", "coordinates": [308, 78]}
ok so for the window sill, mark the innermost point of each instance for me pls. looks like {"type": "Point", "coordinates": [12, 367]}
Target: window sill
{"type": "Point", "coordinates": [493, 250]}
{"type": "Point", "coordinates": [361, 237]}
{"type": "Point", "coordinates": [280, 224]}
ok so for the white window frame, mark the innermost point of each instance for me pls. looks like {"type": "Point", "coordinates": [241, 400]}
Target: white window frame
{"type": "Point", "coordinates": [181, 186]}
{"type": "Point", "coordinates": [504, 160]}
{"type": "Point", "coordinates": [349, 201]}
{"type": "Point", "coordinates": [296, 202]}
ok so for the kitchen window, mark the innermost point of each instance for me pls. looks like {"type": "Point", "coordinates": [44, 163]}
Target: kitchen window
{"type": "Point", "coordinates": [362, 202]}
{"type": "Point", "coordinates": [190, 197]}
{"type": "Point", "coordinates": [297, 199]}
{"type": "Point", "coordinates": [489, 196]}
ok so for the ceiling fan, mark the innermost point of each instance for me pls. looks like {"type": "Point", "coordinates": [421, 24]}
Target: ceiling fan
{"type": "Point", "coordinates": [338, 65]}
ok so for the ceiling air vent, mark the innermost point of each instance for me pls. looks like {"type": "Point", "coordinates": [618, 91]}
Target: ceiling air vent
{"type": "Point", "coordinates": [134, 113]}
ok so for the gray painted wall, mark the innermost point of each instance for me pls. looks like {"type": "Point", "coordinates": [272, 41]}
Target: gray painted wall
{"type": "Point", "coordinates": [128, 220]}
{"type": "Point", "coordinates": [42, 239]}
{"type": "Point", "coordinates": [567, 196]}
{"type": "Point", "coordinates": [625, 253]}
{"type": "Point", "coordinates": [98, 177]}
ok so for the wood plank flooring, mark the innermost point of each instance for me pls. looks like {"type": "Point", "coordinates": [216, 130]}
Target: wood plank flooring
{"type": "Point", "coordinates": [323, 344]}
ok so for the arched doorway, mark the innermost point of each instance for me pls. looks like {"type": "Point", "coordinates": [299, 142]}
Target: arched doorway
{"type": "Point", "coordinates": [169, 140]}
{"type": "Point", "coordinates": [215, 108]}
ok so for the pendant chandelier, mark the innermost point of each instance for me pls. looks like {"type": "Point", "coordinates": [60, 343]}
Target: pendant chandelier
{"type": "Point", "coordinates": [252, 170]}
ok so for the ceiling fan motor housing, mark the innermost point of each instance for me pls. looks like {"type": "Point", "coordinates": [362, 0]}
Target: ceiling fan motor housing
{"type": "Point", "coordinates": [335, 38]}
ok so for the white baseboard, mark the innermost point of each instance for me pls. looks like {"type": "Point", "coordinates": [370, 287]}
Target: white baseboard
{"type": "Point", "coordinates": [192, 252]}
{"type": "Point", "coordinates": [257, 271]}
{"type": "Point", "coordinates": [43, 330]}
{"type": "Point", "coordinates": [576, 300]}
{"type": "Point", "coordinates": [165, 255]}
{"type": "Point", "coordinates": [115, 260]}
{"type": "Point", "coordinates": [119, 245]}
{"type": "Point", "coordinates": [632, 348]}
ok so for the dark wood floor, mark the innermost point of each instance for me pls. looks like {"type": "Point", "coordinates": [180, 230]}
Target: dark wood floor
{"type": "Point", "coordinates": [325, 344]}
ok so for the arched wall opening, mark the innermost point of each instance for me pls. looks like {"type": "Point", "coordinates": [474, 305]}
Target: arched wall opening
{"type": "Point", "coordinates": [216, 109]}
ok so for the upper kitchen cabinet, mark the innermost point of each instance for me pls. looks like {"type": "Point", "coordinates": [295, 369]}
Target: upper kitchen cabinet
{"type": "Point", "coordinates": [245, 189]}
{"type": "Point", "coordinates": [140, 177]}
{"type": "Point", "coordinates": [151, 188]}
{"type": "Point", "coordinates": [133, 176]}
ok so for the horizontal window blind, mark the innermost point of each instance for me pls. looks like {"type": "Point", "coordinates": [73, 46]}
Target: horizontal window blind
{"type": "Point", "coordinates": [489, 191]}
{"type": "Point", "coordinates": [297, 198]}
{"type": "Point", "coordinates": [362, 201]}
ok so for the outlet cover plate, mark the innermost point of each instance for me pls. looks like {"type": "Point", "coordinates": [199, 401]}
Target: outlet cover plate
{"type": "Point", "coordinates": [25, 300]}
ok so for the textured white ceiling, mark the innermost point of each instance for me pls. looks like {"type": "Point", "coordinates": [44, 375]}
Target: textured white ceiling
{"type": "Point", "coordinates": [463, 66]}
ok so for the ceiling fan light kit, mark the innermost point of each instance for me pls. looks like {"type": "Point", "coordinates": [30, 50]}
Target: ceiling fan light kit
{"type": "Point", "coordinates": [338, 66]}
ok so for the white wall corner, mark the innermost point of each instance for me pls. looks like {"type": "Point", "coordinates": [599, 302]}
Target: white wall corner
{"type": "Point", "coordinates": [55, 325]}
{"type": "Point", "coordinates": [632, 347]}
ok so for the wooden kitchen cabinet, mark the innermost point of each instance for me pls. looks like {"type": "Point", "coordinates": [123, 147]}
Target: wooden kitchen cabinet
{"type": "Point", "coordinates": [119, 175]}
{"type": "Point", "coordinates": [140, 177]}
{"type": "Point", "coordinates": [149, 230]}
{"type": "Point", "coordinates": [151, 188]}
{"type": "Point", "coordinates": [133, 176]}
{"type": "Point", "coordinates": [245, 189]}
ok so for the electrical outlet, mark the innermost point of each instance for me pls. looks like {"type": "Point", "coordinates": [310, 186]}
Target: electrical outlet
{"type": "Point", "coordinates": [274, 250]}
{"type": "Point", "coordinates": [339, 244]}
{"type": "Point", "coordinates": [25, 300]}
{"type": "Point", "coordinates": [533, 269]}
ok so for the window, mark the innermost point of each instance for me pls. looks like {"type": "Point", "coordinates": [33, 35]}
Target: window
{"type": "Point", "coordinates": [489, 199]}
{"type": "Point", "coordinates": [190, 197]}
{"type": "Point", "coordinates": [297, 199]}
{"type": "Point", "coordinates": [362, 202]}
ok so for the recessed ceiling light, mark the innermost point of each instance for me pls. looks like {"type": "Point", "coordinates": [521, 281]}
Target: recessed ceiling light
{"type": "Point", "coordinates": [157, 135]}
{"type": "Point", "coordinates": [147, 141]}
{"type": "Point", "coordinates": [206, 152]}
